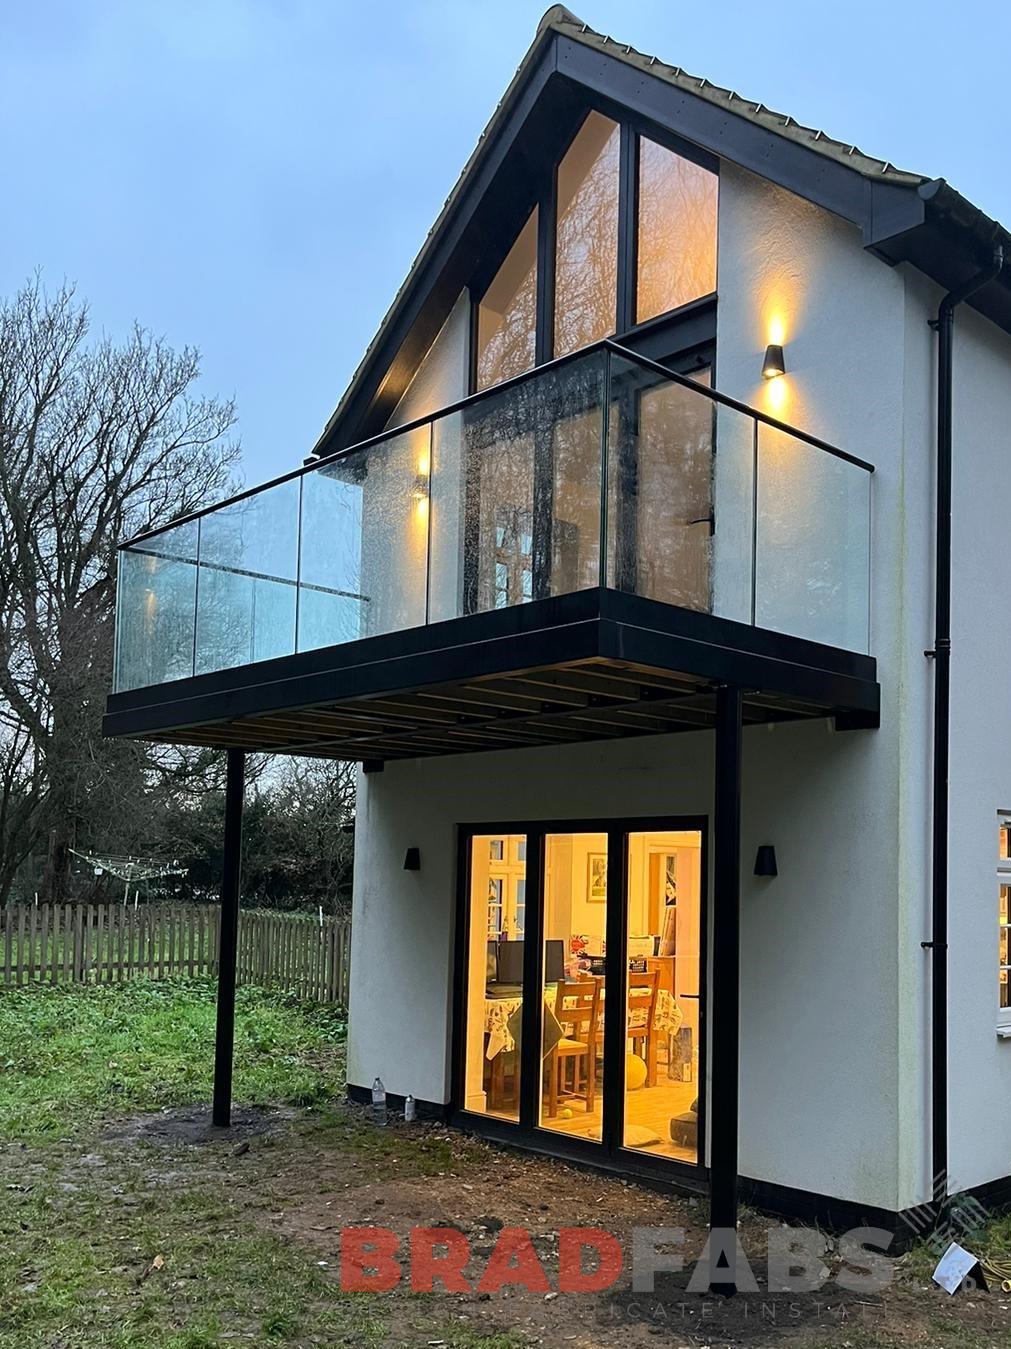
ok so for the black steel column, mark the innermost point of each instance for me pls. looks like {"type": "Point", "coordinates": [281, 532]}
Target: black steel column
{"type": "Point", "coordinates": [221, 1114]}
{"type": "Point", "coordinates": [725, 1038]}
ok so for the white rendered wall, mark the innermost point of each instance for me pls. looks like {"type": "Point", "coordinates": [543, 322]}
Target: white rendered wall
{"type": "Point", "coordinates": [833, 1088]}
{"type": "Point", "coordinates": [442, 376]}
{"type": "Point", "coordinates": [980, 1063]}
{"type": "Point", "coordinates": [857, 352]}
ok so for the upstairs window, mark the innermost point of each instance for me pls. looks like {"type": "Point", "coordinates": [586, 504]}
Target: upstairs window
{"type": "Point", "coordinates": [676, 243]}
{"type": "Point", "coordinates": [625, 232]}
{"type": "Point", "coordinates": [586, 247]}
{"type": "Point", "coordinates": [507, 315]}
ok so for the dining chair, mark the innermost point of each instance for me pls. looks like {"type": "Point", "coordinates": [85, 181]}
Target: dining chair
{"type": "Point", "coordinates": [643, 990]}
{"type": "Point", "coordinates": [577, 1010]}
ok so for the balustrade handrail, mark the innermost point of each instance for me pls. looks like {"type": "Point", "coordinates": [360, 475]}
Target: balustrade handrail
{"type": "Point", "coordinates": [462, 404]}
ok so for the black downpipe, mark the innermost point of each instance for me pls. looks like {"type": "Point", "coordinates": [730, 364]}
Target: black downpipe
{"type": "Point", "coordinates": [944, 325]}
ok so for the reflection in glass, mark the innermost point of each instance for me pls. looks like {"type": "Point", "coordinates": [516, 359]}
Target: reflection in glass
{"type": "Point", "coordinates": [662, 1063]}
{"type": "Point", "coordinates": [156, 608]}
{"type": "Point", "coordinates": [331, 604]}
{"type": "Point", "coordinates": [507, 314]}
{"type": "Point", "coordinates": [537, 444]}
{"type": "Point", "coordinates": [575, 919]}
{"type": "Point", "coordinates": [246, 597]}
{"type": "Point", "coordinates": [660, 470]}
{"type": "Point", "coordinates": [676, 255]}
{"type": "Point", "coordinates": [497, 891]}
{"type": "Point", "coordinates": [586, 250]}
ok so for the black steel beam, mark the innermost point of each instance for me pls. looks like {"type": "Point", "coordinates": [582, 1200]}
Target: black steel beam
{"type": "Point", "coordinates": [228, 939]}
{"type": "Point", "coordinates": [726, 963]}
{"type": "Point", "coordinates": [590, 625]}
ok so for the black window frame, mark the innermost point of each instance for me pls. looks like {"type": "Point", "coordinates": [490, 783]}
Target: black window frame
{"type": "Point", "coordinates": [609, 1152]}
{"type": "Point", "coordinates": [676, 335]}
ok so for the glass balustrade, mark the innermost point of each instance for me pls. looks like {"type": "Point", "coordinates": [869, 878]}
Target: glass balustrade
{"type": "Point", "coordinates": [599, 470]}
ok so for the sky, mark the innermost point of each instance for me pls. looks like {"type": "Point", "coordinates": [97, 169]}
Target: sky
{"type": "Point", "coordinates": [255, 177]}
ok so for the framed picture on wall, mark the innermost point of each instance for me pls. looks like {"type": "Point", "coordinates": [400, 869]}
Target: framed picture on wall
{"type": "Point", "coordinates": [596, 877]}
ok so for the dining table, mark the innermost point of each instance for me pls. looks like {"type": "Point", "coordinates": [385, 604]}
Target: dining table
{"type": "Point", "coordinates": [667, 1018]}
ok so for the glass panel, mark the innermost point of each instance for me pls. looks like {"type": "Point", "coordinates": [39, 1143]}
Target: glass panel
{"type": "Point", "coordinates": [812, 546]}
{"type": "Point", "coordinates": [676, 232]}
{"type": "Point", "coordinates": [495, 975]}
{"type": "Point", "coordinates": [1004, 841]}
{"type": "Point", "coordinates": [155, 608]}
{"type": "Point", "coordinates": [660, 489]}
{"type": "Point", "coordinates": [365, 564]}
{"type": "Point", "coordinates": [575, 923]}
{"type": "Point", "coordinates": [586, 250]}
{"type": "Point", "coordinates": [733, 551]}
{"type": "Point", "coordinates": [536, 441]}
{"type": "Point", "coordinates": [662, 1063]}
{"type": "Point", "coordinates": [570, 430]}
{"type": "Point", "coordinates": [507, 314]}
{"type": "Point", "coordinates": [331, 606]}
{"type": "Point", "coordinates": [248, 565]}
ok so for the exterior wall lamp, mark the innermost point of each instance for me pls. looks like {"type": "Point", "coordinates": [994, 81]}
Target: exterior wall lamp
{"type": "Point", "coordinates": [765, 860]}
{"type": "Point", "coordinates": [774, 365]}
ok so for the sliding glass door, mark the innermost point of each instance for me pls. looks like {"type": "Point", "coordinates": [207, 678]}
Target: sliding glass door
{"type": "Point", "coordinates": [661, 1103]}
{"type": "Point", "coordinates": [581, 1017]}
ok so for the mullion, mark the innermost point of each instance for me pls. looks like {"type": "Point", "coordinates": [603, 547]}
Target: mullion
{"type": "Point", "coordinates": [628, 211]}
{"type": "Point", "coordinates": [615, 966]}
{"type": "Point", "coordinates": [544, 323]}
{"type": "Point", "coordinates": [533, 997]}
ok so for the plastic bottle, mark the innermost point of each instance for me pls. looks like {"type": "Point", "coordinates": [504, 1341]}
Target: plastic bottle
{"type": "Point", "coordinates": [378, 1102]}
{"type": "Point", "coordinates": [409, 1110]}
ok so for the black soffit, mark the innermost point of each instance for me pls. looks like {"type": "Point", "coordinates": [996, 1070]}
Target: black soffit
{"type": "Point", "coordinates": [588, 666]}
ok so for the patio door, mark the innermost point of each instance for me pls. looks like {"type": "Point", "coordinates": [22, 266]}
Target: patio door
{"type": "Point", "coordinates": [583, 1026]}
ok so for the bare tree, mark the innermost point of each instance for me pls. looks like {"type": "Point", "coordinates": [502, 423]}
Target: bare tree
{"type": "Point", "coordinates": [97, 440]}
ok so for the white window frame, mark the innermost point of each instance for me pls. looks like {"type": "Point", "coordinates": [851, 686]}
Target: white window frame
{"type": "Point", "coordinates": [510, 871]}
{"type": "Point", "coordinates": [1003, 878]}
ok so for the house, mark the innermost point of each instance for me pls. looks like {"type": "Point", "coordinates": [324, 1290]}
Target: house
{"type": "Point", "coordinates": [650, 566]}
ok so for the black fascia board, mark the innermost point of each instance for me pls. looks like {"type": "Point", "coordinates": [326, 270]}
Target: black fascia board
{"type": "Point", "coordinates": [586, 625]}
{"type": "Point", "coordinates": [806, 172]}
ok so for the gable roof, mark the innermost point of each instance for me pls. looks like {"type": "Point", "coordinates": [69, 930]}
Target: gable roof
{"type": "Point", "coordinates": [560, 20]}
{"type": "Point", "coordinates": [906, 216]}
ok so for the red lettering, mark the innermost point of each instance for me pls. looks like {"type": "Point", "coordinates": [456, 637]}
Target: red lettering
{"type": "Point", "coordinates": [448, 1268]}
{"type": "Point", "coordinates": [366, 1249]}
{"type": "Point", "coordinates": [572, 1278]}
{"type": "Point", "coordinates": [514, 1261]}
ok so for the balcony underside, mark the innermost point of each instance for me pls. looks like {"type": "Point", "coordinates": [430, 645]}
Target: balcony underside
{"type": "Point", "coordinates": [596, 665]}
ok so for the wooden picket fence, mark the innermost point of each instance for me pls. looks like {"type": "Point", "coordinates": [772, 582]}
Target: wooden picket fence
{"type": "Point", "coordinates": [107, 943]}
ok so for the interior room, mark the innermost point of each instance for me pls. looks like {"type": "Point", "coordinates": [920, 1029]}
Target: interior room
{"type": "Point", "coordinates": [660, 1000]}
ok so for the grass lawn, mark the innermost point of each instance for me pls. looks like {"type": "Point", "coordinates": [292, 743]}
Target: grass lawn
{"type": "Point", "coordinates": [123, 1225]}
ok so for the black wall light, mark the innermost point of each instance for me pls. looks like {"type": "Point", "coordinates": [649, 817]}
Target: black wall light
{"type": "Point", "coordinates": [765, 861]}
{"type": "Point", "coordinates": [774, 364]}
{"type": "Point", "coordinates": [412, 859]}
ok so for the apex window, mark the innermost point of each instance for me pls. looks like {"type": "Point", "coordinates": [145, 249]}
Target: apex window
{"type": "Point", "coordinates": [625, 232]}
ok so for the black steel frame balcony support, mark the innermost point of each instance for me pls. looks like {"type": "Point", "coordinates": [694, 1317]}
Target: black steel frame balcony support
{"type": "Point", "coordinates": [228, 939]}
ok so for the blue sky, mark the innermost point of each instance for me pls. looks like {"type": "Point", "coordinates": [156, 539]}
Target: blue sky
{"type": "Point", "coordinates": [254, 177]}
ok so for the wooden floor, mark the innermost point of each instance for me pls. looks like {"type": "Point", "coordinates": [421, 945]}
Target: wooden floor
{"type": "Point", "coordinates": [650, 1108]}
